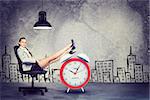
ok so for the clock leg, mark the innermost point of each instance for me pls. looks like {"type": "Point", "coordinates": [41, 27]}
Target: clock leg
{"type": "Point", "coordinates": [68, 90]}
{"type": "Point", "coordinates": [82, 89]}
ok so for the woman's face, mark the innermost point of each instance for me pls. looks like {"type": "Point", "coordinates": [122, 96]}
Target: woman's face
{"type": "Point", "coordinates": [23, 43]}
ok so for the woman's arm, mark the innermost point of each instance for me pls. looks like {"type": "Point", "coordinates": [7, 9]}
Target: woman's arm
{"type": "Point", "coordinates": [24, 57]}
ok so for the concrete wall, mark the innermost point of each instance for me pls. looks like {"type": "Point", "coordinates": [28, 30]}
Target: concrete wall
{"type": "Point", "coordinates": [103, 29]}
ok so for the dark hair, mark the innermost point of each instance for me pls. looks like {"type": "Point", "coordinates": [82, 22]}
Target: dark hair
{"type": "Point", "coordinates": [21, 38]}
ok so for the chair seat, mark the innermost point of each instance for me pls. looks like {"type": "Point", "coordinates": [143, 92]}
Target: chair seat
{"type": "Point", "coordinates": [34, 72]}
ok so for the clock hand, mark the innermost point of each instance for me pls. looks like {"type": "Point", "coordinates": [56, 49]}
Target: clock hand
{"type": "Point", "coordinates": [71, 71]}
{"type": "Point", "coordinates": [77, 69]}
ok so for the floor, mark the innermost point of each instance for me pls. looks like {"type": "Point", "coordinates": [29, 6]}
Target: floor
{"type": "Point", "coordinates": [93, 91]}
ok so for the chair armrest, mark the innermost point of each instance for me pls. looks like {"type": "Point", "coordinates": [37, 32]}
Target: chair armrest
{"type": "Point", "coordinates": [28, 63]}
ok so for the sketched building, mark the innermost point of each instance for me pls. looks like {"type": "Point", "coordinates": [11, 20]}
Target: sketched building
{"type": "Point", "coordinates": [98, 65]}
{"type": "Point", "coordinates": [6, 59]}
{"type": "Point", "coordinates": [56, 75]}
{"type": "Point", "coordinates": [106, 77]}
{"type": "Point", "coordinates": [132, 80]}
{"type": "Point", "coordinates": [116, 79]}
{"type": "Point", "coordinates": [13, 72]}
{"type": "Point", "coordinates": [128, 77]}
{"type": "Point", "coordinates": [26, 78]}
{"type": "Point", "coordinates": [138, 73]}
{"type": "Point", "coordinates": [145, 77]}
{"type": "Point", "coordinates": [131, 59]}
{"type": "Point", "coordinates": [104, 66]}
{"type": "Point", "coordinates": [48, 75]}
{"type": "Point", "coordinates": [41, 78]}
{"type": "Point", "coordinates": [20, 77]}
{"type": "Point", "coordinates": [3, 79]}
{"type": "Point", "coordinates": [149, 76]}
{"type": "Point", "coordinates": [121, 74]}
{"type": "Point", "coordinates": [94, 75]}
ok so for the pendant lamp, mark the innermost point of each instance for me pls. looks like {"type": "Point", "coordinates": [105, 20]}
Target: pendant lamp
{"type": "Point", "coordinates": [42, 23]}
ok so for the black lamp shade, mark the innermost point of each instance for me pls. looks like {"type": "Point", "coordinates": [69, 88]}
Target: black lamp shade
{"type": "Point", "coordinates": [42, 22]}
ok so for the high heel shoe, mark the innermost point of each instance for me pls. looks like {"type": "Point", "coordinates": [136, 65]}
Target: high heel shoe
{"type": "Point", "coordinates": [72, 51]}
{"type": "Point", "coordinates": [72, 41]}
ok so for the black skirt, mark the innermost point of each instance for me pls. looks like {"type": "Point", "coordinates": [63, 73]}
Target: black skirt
{"type": "Point", "coordinates": [36, 67]}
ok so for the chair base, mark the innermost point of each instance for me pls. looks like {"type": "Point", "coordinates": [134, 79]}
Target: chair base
{"type": "Point", "coordinates": [32, 89]}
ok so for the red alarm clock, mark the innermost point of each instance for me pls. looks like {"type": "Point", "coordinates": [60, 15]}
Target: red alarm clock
{"type": "Point", "coordinates": [75, 73]}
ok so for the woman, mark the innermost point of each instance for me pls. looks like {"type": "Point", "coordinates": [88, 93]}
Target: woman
{"type": "Point", "coordinates": [26, 56]}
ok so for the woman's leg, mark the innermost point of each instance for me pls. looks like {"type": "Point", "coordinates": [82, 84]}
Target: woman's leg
{"type": "Point", "coordinates": [46, 61]}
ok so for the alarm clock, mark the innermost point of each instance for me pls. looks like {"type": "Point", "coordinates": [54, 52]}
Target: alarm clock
{"type": "Point", "coordinates": [75, 72]}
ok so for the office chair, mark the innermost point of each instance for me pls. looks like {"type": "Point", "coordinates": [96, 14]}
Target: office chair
{"type": "Point", "coordinates": [33, 75]}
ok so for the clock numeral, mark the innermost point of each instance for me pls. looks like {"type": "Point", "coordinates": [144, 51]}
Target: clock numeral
{"type": "Point", "coordinates": [75, 84]}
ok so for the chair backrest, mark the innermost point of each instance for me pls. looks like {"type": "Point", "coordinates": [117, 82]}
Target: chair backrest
{"type": "Point", "coordinates": [19, 60]}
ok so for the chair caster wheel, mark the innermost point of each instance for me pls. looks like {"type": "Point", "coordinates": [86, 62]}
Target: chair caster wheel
{"type": "Point", "coordinates": [46, 90]}
{"type": "Point", "coordinates": [42, 93]}
{"type": "Point", "coordinates": [19, 90]}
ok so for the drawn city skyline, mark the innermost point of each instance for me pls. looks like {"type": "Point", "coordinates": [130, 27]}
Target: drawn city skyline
{"type": "Point", "coordinates": [102, 73]}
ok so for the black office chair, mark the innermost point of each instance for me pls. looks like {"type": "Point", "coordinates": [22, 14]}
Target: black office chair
{"type": "Point", "coordinates": [33, 75]}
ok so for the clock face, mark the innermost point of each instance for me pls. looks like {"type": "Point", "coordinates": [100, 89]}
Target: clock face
{"type": "Point", "coordinates": [75, 73]}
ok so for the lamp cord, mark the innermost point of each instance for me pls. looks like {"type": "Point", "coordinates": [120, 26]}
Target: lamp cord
{"type": "Point", "coordinates": [42, 5]}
